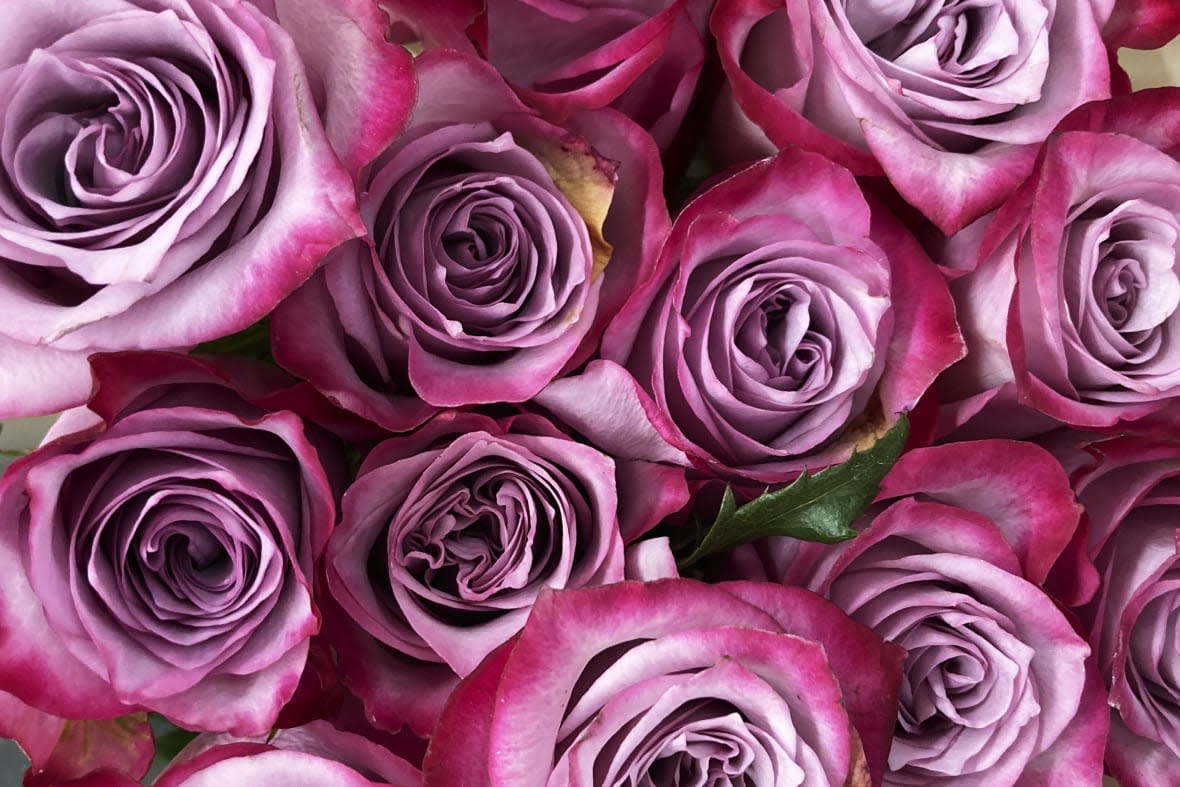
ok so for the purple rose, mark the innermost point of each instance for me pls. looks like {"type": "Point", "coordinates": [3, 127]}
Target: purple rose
{"type": "Point", "coordinates": [170, 169]}
{"type": "Point", "coordinates": [1071, 305]}
{"type": "Point", "coordinates": [449, 534]}
{"type": "Point", "coordinates": [674, 682]}
{"type": "Point", "coordinates": [769, 340]}
{"type": "Point", "coordinates": [163, 558]}
{"type": "Point", "coordinates": [997, 688]}
{"type": "Point", "coordinates": [946, 99]}
{"type": "Point", "coordinates": [501, 245]}
{"type": "Point", "coordinates": [1130, 494]}
{"type": "Point", "coordinates": [642, 57]}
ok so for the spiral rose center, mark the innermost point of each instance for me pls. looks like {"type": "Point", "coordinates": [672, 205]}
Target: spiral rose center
{"type": "Point", "coordinates": [483, 538]}
{"type": "Point", "coordinates": [778, 336]}
{"type": "Point", "coordinates": [964, 38]}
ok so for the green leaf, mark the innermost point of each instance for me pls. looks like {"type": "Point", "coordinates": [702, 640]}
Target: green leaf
{"type": "Point", "coordinates": [251, 342]}
{"type": "Point", "coordinates": [170, 739]}
{"type": "Point", "coordinates": [819, 507]}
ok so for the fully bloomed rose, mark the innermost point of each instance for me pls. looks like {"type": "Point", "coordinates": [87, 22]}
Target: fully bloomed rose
{"type": "Point", "coordinates": [1071, 307]}
{"type": "Point", "coordinates": [501, 245]}
{"type": "Point", "coordinates": [449, 534]}
{"type": "Point", "coordinates": [997, 688]}
{"type": "Point", "coordinates": [1131, 491]}
{"type": "Point", "coordinates": [171, 169]}
{"type": "Point", "coordinates": [674, 682]}
{"type": "Point", "coordinates": [947, 99]}
{"type": "Point", "coordinates": [788, 316]}
{"type": "Point", "coordinates": [163, 558]}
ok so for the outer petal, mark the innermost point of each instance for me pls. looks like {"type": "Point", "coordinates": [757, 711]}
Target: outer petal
{"type": "Point", "coordinates": [359, 120]}
{"type": "Point", "coordinates": [1018, 486]}
{"type": "Point", "coordinates": [868, 669]}
{"type": "Point", "coordinates": [37, 379]}
{"type": "Point", "coordinates": [121, 746]}
{"type": "Point", "coordinates": [1142, 24]}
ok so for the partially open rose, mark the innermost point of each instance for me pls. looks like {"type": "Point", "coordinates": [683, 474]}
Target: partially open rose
{"type": "Point", "coordinates": [163, 558]}
{"type": "Point", "coordinates": [170, 169]}
{"type": "Point", "coordinates": [674, 682]}
{"type": "Point", "coordinates": [448, 536]}
{"type": "Point", "coordinates": [1071, 306]}
{"type": "Point", "coordinates": [947, 99]}
{"type": "Point", "coordinates": [501, 245]}
{"type": "Point", "coordinates": [788, 314]}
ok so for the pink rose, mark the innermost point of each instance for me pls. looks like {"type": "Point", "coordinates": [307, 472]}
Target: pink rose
{"type": "Point", "coordinates": [770, 339]}
{"type": "Point", "coordinates": [673, 682]}
{"type": "Point", "coordinates": [449, 534]}
{"type": "Point", "coordinates": [997, 688]}
{"type": "Point", "coordinates": [170, 169]}
{"type": "Point", "coordinates": [1130, 496]}
{"type": "Point", "coordinates": [162, 559]}
{"type": "Point", "coordinates": [1071, 304]}
{"type": "Point", "coordinates": [500, 246]}
{"type": "Point", "coordinates": [947, 100]}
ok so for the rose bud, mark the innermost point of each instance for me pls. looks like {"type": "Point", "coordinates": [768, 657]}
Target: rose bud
{"type": "Point", "coordinates": [1130, 495]}
{"type": "Point", "coordinates": [947, 100]}
{"type": "Point", "coordinates": [1072, 298]}
{"type": "Point", "coordinates": [997, 688]}
{"type": "Point", "coordinates": [163, 558]}
{"type": "Point", "coordinates": [501, 245]}
{"type": "Point", "coordinates": [169, 171]}
{"type": "Point", "coordinates": [447, 537]}
{"type": "Point", "coordinates": [674, 682]}
{"type": "Point", "coordinates": [770, 340]}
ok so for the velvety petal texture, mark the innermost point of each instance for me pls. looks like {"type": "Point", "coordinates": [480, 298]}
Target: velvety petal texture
{"type": "Point", "coordinates": [770, 339]}
{"type": "Point", "coordinates": [171, 169]}
{"type": "Point", "coordinates": [947, 99]}
{"type": "Point", "coordinates": [163, 558]}
{"type": "Point", "coordinates": [447, 537]}
{"type": "Point", "coordinates": [997, 688]}
{"type": "Point", "coordinates": [671, 683]}
{"type": "Point", "coordinates": [1071, 306]}
{"type": "Point", "coordinates": [499, 246]}
{"type": "Point", "coordinates": [1131, 491]}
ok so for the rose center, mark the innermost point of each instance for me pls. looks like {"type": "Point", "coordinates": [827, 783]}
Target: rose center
{"type": "Point", "coordinates": [779, 338]}
{"type": "Point", "coordinates": [481, 540]}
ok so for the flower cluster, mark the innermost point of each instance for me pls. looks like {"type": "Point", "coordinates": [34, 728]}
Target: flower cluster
{"type": "Point", "coordinates": [554, 392]}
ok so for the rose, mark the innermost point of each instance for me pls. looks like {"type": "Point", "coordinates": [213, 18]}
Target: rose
{"type": "Point", "coordinates": [449, 534]}
{"type": "Point", "coordinates": [996, 687]}
{"type": "Point", "coordinates": [491, 269]}
{"type": "Point", "coordinates": [642, 57]}
{"type": "Point", "coordinates": [315, 754]}
{"type": "Point", "coordinates": [1072, 304]}
{"type": "Point", "coordinates": [769, 340]}
{"type": "Point", "coordinates": [1129, 491]}
{"type": "Point", "coordinates": [944, 98]}
{"type": "Point", "coordinates": [162, 559]}
{"type": "Point", "coordinates": [170, 169]}
{"type": "Point", "coordinates": [673, 682]}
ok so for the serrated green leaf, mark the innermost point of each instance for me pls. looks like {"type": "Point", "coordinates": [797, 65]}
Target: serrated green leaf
{"type": "Point", "coordinates": [815, 507]}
